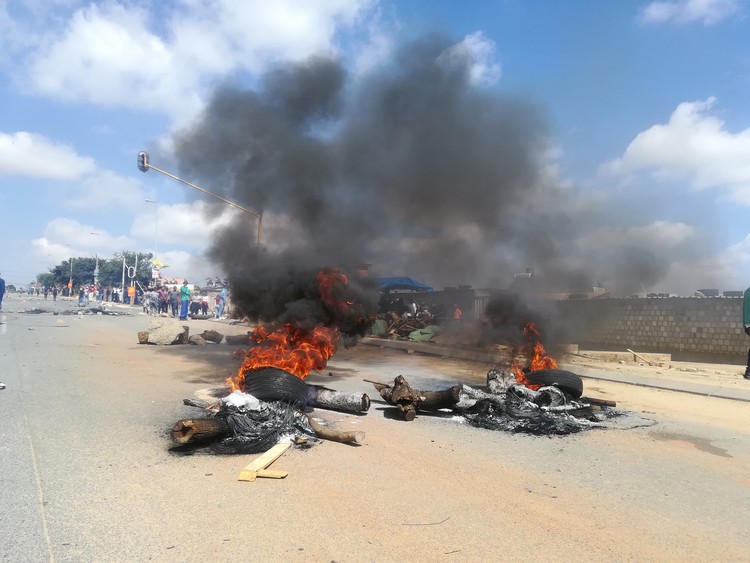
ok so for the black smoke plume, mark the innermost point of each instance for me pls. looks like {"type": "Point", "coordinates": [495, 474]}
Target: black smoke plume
{"type": "Point", "coordinates": [413, 168]}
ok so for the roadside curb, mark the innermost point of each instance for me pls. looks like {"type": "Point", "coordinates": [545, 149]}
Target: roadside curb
{"type": "Point", "coordinates": [637, 380]}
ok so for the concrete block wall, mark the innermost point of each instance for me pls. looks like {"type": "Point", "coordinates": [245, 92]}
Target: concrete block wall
{"type": "Point", "coordinates": [681, 326]}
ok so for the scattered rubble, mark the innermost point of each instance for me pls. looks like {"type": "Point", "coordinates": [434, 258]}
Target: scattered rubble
{"type": "Point", "coordinates": [276, 405]}
{"type": "Point", "coordinates": [165, 331]}
{"type": "Point", "coordinates": [79, 312]}
{"type": "Point", "coordinates": [420, 328]}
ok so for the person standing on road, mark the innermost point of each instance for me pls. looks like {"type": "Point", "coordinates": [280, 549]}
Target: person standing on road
{"type": "Point", "coordinates": [2, 292]}
{"type": "Point", "coordinates": [174, 302]}
{"type": "Point", "coordinates": [746, 323]}
{"type": "Point", "coordinates": [184, 300]}
{"type": "Point", "coordinates": [163, 299]}
{"type": "Point", "coordinates": [221, 303]}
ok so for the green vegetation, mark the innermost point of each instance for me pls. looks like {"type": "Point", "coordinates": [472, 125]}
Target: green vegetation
{"type": "Point", "coordinates": [110, 271]}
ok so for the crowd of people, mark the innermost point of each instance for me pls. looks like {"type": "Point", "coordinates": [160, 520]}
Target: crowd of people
{"type": "Point", "coordinates": [183, 303]}
{"type": "Point", "coordinates": [93, 293]}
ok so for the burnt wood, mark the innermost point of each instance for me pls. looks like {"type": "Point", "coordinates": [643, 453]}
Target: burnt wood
{"type": "Point", "coordinates": [323, 398]}
{"type": "Point", "coordinates": [343, 436]}
{"type": "Point", "coordinates": [197, 430]}
{"type": "Point", "coordinates": [409, 401]}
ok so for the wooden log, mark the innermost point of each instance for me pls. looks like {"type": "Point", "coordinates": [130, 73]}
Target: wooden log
{"type": "Point", "coordinates": [409, 400]}
{"type": "Point", "coordinates": [436, 400]}
{"type": "Point", "coordinates": [196, 430]}
{"type": "Point", "coordinates": [183, 338]}
{"type": "Point", "coordinates": [385, 392]}
{"type": "Point", "coordinates": [323, 398]}
{"type": "Point", "coordinates": [343, 436]}
{"type": "Point", "coordinates": [238, 339]}
{"type": "Point", "coordinates": [409, 412]}
{"type": "Point", "coordinates": [195, 403]}
{"type": "Point", "coordinates": [212, 336]}
{"type": "Point", "coordinates": [376, 383]}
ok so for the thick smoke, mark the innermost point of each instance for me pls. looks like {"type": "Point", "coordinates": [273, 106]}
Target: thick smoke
{"type": "Point", "coordinates": [412, 168]}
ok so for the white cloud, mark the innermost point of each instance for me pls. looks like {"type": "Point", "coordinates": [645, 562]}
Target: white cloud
{"type": "Point", "coordinates": [661, 235]}
{"type": "Point", "coordinates": [32, 155]}
{"type": "Point", "coordinates": [735, 260]}
{"type": "Point", "coordinates": [110, 54]}
{"type": "Point", "coordinates": [376, 47]}
{"type": "Point", "coordinates": [707, 12]}
{"type": "Point", "coordinates": [187, 225]}
{"type": "Point", "coordinates": [184, 226]}
{"type": "Point", "coordinates": [181, 264]}
{"type": "Point", "coordinates": [694, 146]}
{"type": "Point", "coordinates": [65, 237]}
{"type": "Point", "coordinates": [476, 51]}
{"type": "Point", "coordinates": [106, 190]}
{"type": "Point", "coordinates": [36, 156]}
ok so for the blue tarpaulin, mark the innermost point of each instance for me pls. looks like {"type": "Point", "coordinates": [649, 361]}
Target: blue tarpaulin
{"type": "Point", "coordinates": [402, 282]}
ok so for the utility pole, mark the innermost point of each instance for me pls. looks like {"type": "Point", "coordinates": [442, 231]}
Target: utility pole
{"type": "Point", "coordinates": [144, 165]}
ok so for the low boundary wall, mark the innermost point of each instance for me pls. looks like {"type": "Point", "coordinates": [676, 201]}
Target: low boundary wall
{"type": "Point", "coordinates": [682, 326]}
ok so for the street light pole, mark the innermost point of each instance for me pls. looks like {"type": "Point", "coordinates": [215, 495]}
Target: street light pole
{"type": "Point", "coordinates": [96, 267]}
{"type": "Point", "coordinates": [144, 165]}
{"type": "Point", "coordinates": [156, 225]}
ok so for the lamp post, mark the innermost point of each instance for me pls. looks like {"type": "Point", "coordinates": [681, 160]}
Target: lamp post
{"type": "Point", "coordinates": [156, 225]}
{"type": "Point", "coordinates": [96, 266]}
{"type": "Point", "coordinates": [144, 165]}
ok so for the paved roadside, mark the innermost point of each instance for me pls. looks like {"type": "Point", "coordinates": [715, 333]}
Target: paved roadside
{"type": "Point", "coordinates": [739, 391]}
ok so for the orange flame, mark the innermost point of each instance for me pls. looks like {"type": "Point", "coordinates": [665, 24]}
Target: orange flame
{"type": "Point", "coordinates": [293, 348]}
{"type": "Point", "coordinates": [330, 283]}
{"type": "Point", "coordinates": [290, 348]}
{"type": "Point", "coordinates": [535, 354]}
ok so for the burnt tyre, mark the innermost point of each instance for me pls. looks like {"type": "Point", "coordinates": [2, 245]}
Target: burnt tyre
{"type": "Point", "coordinates": [274, 384]}
{"type": "Point", "coordinates": [568, 381]}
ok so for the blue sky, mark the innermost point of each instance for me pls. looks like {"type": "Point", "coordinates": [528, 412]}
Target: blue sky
{"type": "Point", "coordinates": [645, 106]}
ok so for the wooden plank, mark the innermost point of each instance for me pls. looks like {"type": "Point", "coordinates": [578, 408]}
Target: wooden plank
{"type": "Point", "coordinates": [272, 473]}
{"type": "Point", "coordinates": [250, 471]}
{"type": "Point", "coordinates": [638, 356]}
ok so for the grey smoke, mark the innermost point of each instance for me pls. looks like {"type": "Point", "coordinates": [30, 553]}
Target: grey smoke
{"type": "Point", "coordinates": [412, 168]}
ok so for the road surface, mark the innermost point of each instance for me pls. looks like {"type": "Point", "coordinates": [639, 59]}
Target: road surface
{"type": "Point", "coordinates": [86, 473]}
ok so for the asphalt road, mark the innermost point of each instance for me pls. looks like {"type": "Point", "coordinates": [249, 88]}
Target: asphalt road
{"type": "Point", "coordinates": [86, 475]}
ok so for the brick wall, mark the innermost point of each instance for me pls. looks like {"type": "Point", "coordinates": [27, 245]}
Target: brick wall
{"type": "Point", "coordinates": [681, 326]}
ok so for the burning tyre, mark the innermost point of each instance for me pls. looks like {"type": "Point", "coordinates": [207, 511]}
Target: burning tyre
{"type": "Point", "coordinates": [273, 384]}
{"type": "Point", "coordinates": [568, 381]}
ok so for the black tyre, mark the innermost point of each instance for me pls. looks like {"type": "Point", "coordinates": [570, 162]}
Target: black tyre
{"type": "Point", "coordinates": [568, 381]}
{"type": "Point", "coordinates": [274, 384]}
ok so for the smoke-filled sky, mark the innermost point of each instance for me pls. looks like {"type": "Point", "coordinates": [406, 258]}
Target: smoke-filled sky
{"type": "Point", "coordinates": [456, 144]}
